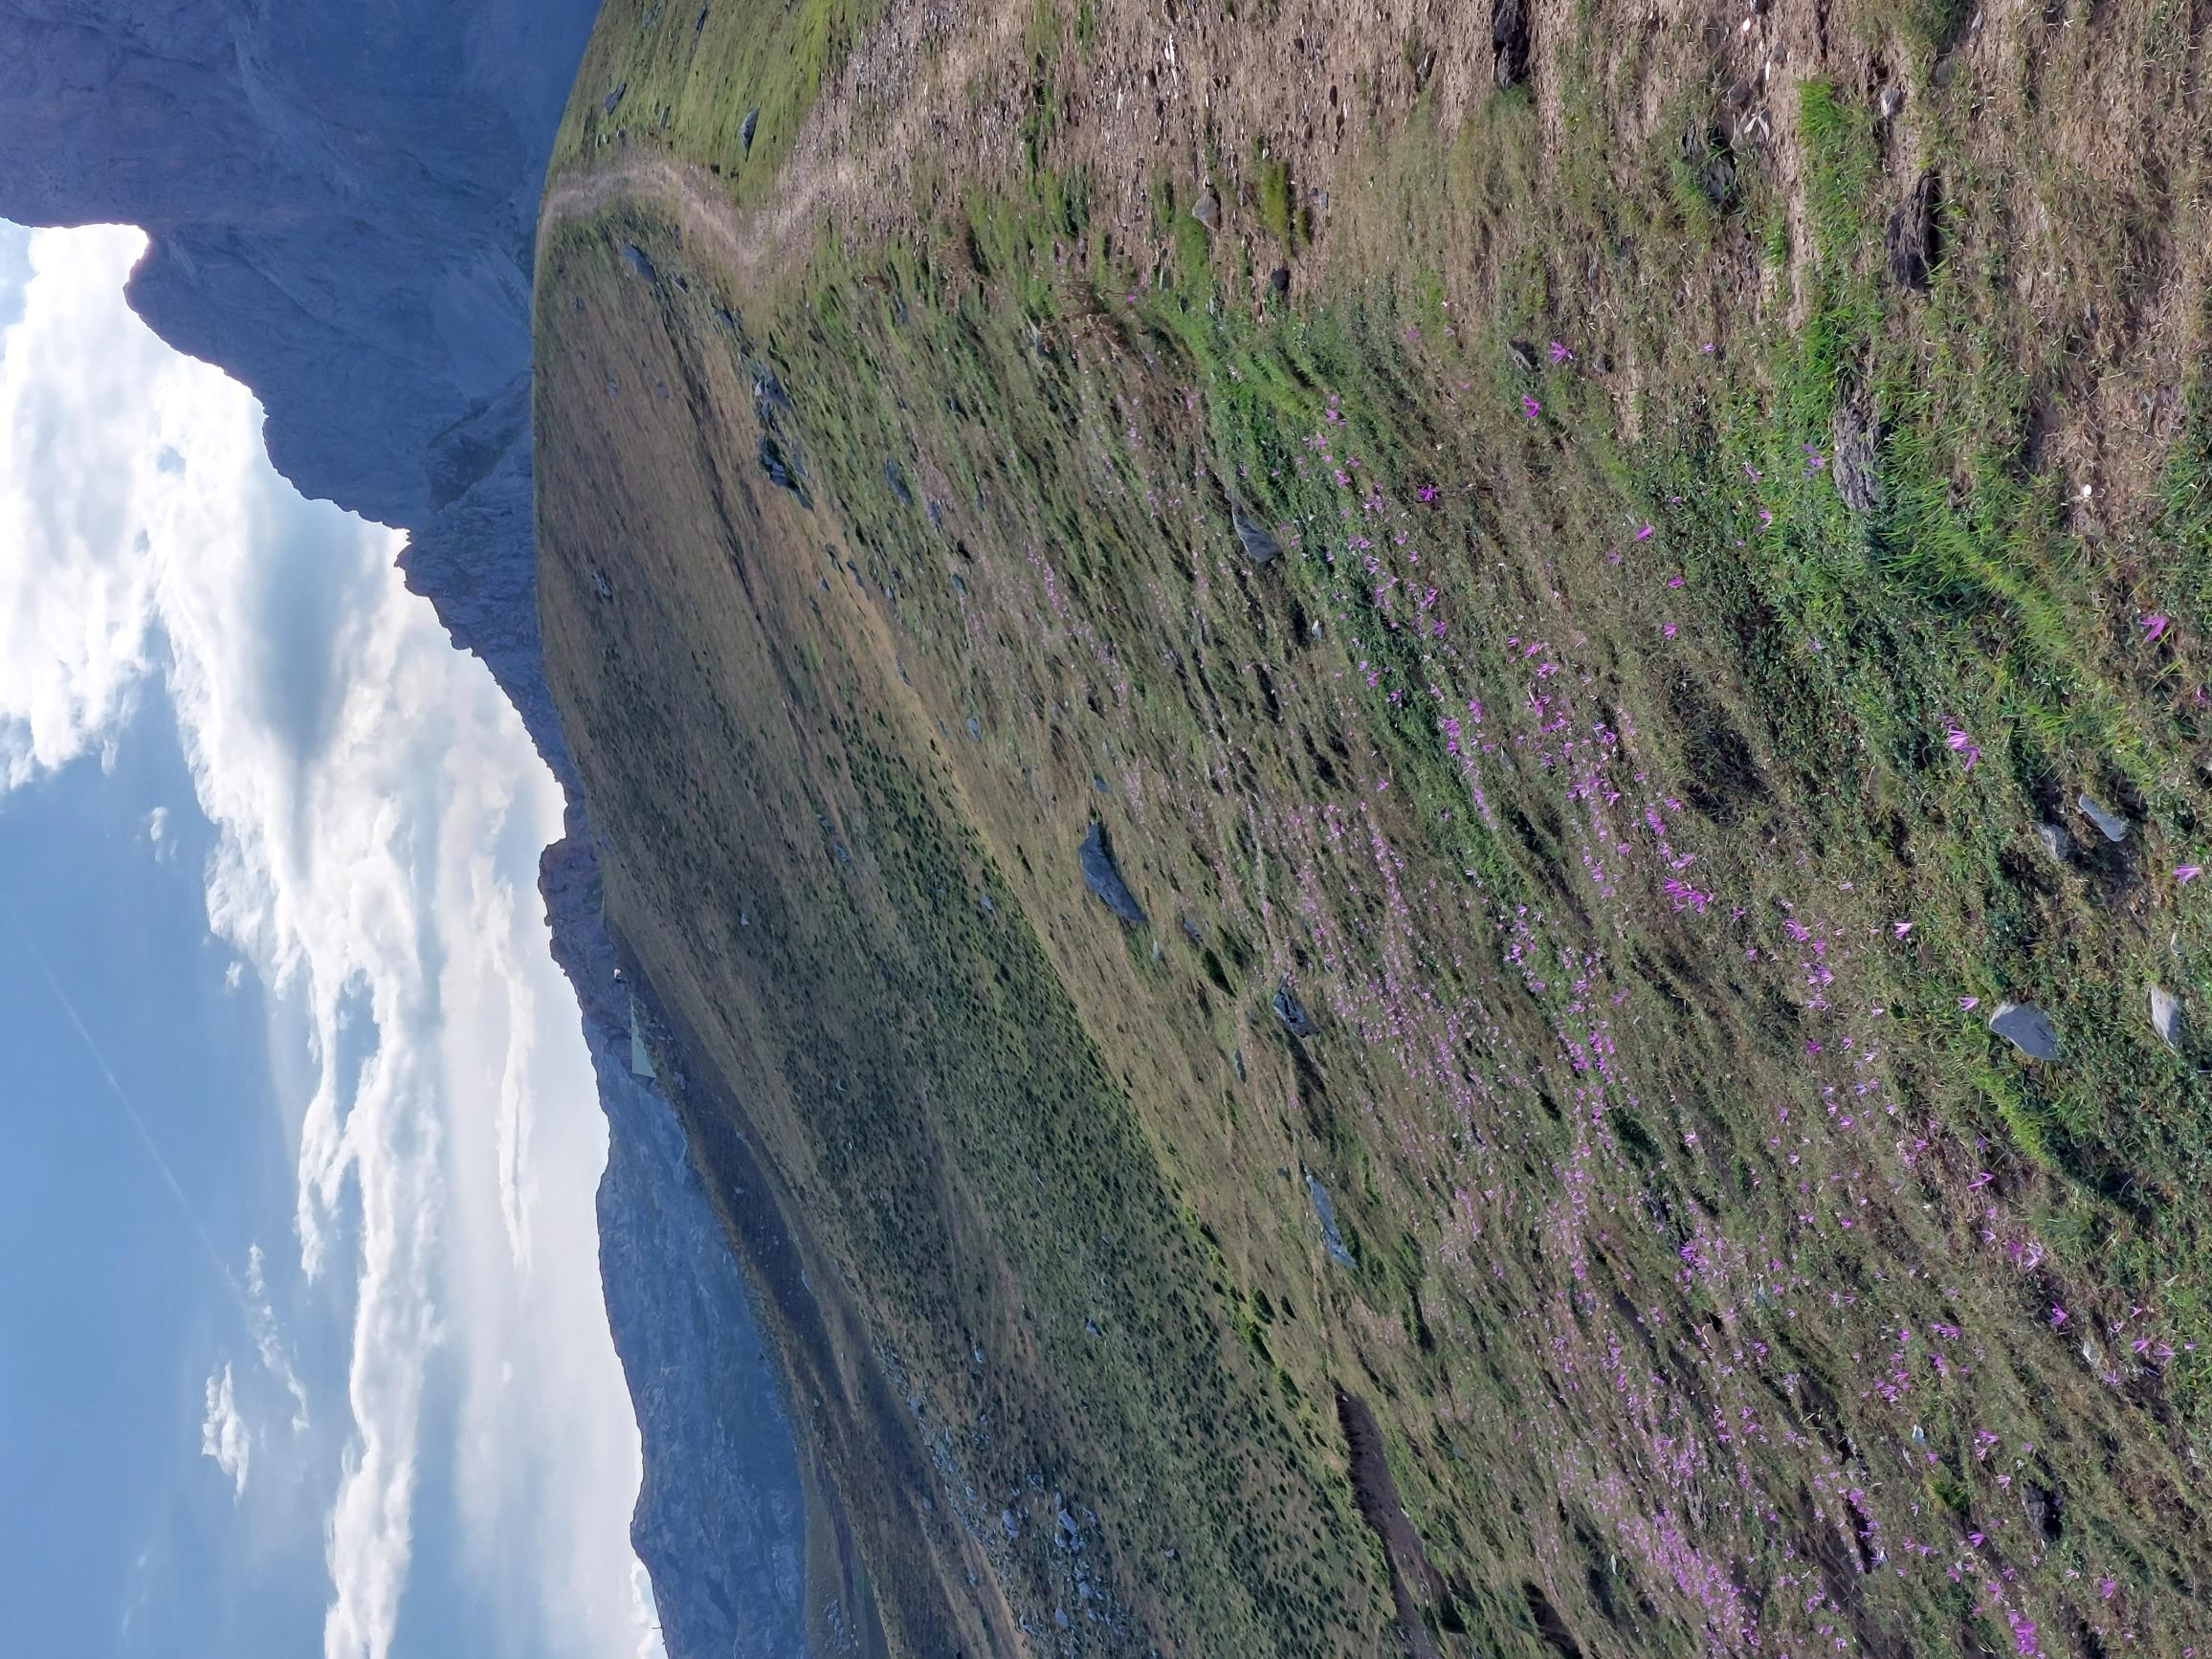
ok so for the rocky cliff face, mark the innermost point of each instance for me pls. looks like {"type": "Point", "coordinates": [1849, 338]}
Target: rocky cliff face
{"type": "Point", "coordinates": [341, 204]}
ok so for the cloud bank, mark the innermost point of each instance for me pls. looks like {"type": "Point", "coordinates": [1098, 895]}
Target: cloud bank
{"type": "Point", "coordinates": [378, 812]}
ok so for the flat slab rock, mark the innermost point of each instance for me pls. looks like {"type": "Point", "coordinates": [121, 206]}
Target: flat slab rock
{"type": "Point", "coordinates": [1325, 1212]}
{"type": "Point", "coordinates": [2028, 1028]}
{"type": "Point", "coordinates": [2111, 824]}
{"type": "Point", "coordinates": [1103, 878]}
{"type": "Point", "coordinates": [2166, 1018]}
{"type": "Point", "coordinates": [1259, 545]}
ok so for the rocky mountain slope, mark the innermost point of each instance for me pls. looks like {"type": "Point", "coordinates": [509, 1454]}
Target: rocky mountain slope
{"type": "Point", "coordinates": [341, 204]}
{"type": "Point", "coordinates": [1366, 754]}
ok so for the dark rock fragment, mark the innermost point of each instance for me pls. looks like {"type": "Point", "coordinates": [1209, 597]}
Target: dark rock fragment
{"type": "Point", "coordinates": [768, 396]}
{"type": "Point", "coordinates": [1711, 164]}
{"type": "Point", "coordinates": [1103, 878]}
{"type": "Point", "coordinates": [1259, 545]}
{"type": "Point", "coordinates": [1325, 1212]}
{"type": "Point", "coordinates": [2044, 1508]}
{"type": "Point", "coordinates": [781, 471]}
{"type": "Point", "coordinates": [1509, 41]}
{"type": "Point", "coordinates": [639, 263]}
{"type": "Point", "coordinates": [1292, 1012]}
{"type": "Point", "coordinates": [745, 132]}
{"type": "Point", "coordinates": [1910, 236]}
{"type": "Point", "coordinates": [896, 479]}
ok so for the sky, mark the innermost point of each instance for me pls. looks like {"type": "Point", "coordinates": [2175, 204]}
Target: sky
{"type": "Point", "coordinates": [301, 1337]}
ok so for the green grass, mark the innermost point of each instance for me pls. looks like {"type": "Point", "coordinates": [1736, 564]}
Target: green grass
{"type": "Point", "coordinates": [1578, 1137]}
{"type": "Point", "coordinates": [687, 77]}
{"type": "Point", "coordinates": [1278, 208]}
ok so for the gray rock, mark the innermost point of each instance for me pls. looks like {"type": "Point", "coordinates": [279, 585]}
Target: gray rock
{"type": "Point", "coordinates": [2028, 1028]}
{"type": "Point", "coordinates": [768, 393]}
{"type": "Point", "coordinates": [1103, 878]}
{"type": "Point", "coordinates": [1291, 1013]}
{"type": "Point", "coordinates": [2044, 1509]}
{"type": "Point", "coordinates": [1325, 1211]}
{"type": "Point", "coordinates": [745, 132]}
{"type": "Point", "coordinates": [1206, 210]}
{"type": "Point", "coordinates": [778, 465]}
{"type": "Point", "coordinates": [2057, 845]}
{"type": "Point", "coordinates": [2167, 1019]}
{"type": "Point", "coordinates": [639, 262]}
{"type": "Point", "coordinates": [2113, 826]}
{"type": "Point", "coordinates": [1259, 545]}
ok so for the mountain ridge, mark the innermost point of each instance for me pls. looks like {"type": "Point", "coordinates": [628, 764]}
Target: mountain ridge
{"type": "Point", "coordinates": [340, 213]}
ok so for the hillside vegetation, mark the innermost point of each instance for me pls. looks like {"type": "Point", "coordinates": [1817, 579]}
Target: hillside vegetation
{"type": "Point", "coordinates": [1580, 562]}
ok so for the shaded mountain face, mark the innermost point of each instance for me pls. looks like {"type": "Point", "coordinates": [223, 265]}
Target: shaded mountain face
{"type": "Point", "coordinates": [341, 208]}
{"type": "Point", "coordinates": [341, 203]}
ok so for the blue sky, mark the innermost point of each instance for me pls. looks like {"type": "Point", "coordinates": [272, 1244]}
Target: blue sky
{"type": "Point", "coordinates": [300, 1331]}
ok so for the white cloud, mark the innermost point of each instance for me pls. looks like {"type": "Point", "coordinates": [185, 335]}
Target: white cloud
{"type": "Point", "coordinates": [223, 1433]}
{"type": "Point", "coordinates": [377, 809]}
{"type": "Point", "coordinates": [269, 1341]}
{"type": "Point", "coordinates": [157, 825]}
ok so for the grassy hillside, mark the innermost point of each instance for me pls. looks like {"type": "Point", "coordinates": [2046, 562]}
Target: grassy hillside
{"type": "Point", "coordinates": [1703, 585]}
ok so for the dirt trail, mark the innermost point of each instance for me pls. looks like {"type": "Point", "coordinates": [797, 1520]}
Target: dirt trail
{"type": "Point", "coordinates": [931, 51]}
{"type": "Point", "coordinates": [937, 91]}
{"type": "Point", "coordinates": [696, 197]}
